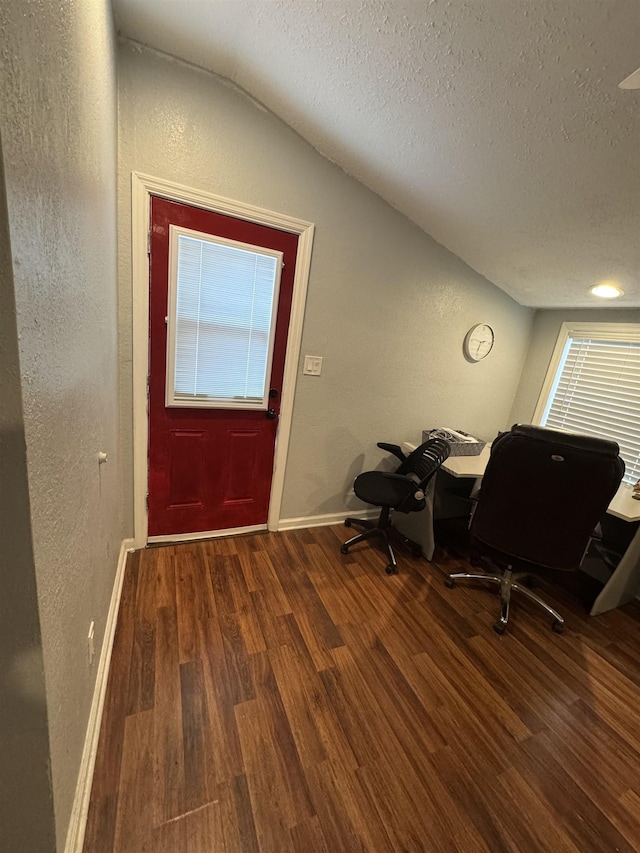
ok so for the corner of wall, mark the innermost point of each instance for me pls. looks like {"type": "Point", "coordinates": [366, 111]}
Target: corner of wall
{"type": "Point", "coordinates": [26, 797]}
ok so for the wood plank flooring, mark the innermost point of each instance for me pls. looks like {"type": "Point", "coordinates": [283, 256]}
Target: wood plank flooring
{"type": "Point", "coordinates": [270, 695]}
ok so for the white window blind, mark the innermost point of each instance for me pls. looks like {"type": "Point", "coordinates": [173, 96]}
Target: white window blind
{"type": "Point", "coordinates": [222, 319]}
{"type": "Point", "coordinates": [596, 390]}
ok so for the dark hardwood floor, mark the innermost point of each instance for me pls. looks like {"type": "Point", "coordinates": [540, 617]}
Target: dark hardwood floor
{"type": "Point", "coordinates": [268, 694]}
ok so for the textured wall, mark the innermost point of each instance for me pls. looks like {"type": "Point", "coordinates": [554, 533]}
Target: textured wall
{"type": "Point", "coordinates": [58, 117]}
{"type": "Point", "coordinates": [544, 335]}
{"type": "Point", "coordinates": [26, 803]}
{"type": "Point", "coordinates": [387, 307]}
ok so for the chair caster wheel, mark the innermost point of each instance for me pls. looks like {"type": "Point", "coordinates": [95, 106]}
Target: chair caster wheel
{"type": "Point", "coordinates": [558, 627]}
{"type": "Point", "coordinates": [450, 583]}
{"type": "Point", "coordinates": [344, 550]}
{"type": "Point", "coordinates": [347, 522]}
{"type": "Point", "coordinates": [499, 627]}
{"type": "Point", "coordinates": [390, 570]}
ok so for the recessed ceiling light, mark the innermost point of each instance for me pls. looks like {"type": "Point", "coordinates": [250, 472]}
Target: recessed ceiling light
{"type": "Point", "coordinates": [606, 291]}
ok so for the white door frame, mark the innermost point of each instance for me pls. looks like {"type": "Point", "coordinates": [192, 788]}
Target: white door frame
{"type": "Point", "coordinates": [142, 188]}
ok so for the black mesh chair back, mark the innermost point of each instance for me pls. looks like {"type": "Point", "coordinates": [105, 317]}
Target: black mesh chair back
{"type": "Point", "coordinates": [542, 495]}
{"type": "Point", "coordinates": [424, 461]}
{"type": "Point", "coordinates": [403, 491]}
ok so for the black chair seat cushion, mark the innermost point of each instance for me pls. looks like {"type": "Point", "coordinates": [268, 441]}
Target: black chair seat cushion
{"type": "Point", "coordinates": [381, 488]}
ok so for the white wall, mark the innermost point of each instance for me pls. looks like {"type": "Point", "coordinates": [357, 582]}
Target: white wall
{"type": "Point", "coordinates": [388, 307]}
{"type": "Point", "coordinates": [544, 335]}
{"type": "Point", "coordinates": [58, 120]}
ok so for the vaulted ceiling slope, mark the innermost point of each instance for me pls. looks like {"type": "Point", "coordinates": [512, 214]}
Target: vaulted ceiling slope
{"type": "Point", "coordinates": [497, 126]}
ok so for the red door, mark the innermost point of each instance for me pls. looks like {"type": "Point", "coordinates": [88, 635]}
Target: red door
{"type": "Point", "coordinates": [211, 468]}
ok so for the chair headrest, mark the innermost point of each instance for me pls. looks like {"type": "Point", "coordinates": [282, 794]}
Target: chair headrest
{"type": "Point", "coordinates": [575, 440]}
{"type": "Point", "coordinates": [425, 460]}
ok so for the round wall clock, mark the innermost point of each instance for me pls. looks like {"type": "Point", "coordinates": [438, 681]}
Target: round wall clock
{"type": "Point", "coordinates": [478, 342]}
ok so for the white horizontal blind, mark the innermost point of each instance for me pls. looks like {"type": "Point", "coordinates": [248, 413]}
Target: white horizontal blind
{"type": "Point", "coordinates": [597, 392]}
{"type": "Point", "coordinates": [225, 302]}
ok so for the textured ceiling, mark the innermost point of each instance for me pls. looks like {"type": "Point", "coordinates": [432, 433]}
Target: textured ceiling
{"type": "Point", "coordinates": [495, 125]}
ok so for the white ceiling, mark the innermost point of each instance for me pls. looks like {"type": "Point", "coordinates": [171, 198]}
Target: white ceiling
{"type": "Point", "coordinates": [495, 125]}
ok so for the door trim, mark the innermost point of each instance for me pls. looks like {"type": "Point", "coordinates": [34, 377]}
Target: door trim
{"type": "Point", "coordinates": [142, 188]}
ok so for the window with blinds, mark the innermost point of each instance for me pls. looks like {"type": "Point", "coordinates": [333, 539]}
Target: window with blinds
{"type": "Point", "coordinates": [223, 298]}
{"type": "Point", "coordinates": [594, 387]}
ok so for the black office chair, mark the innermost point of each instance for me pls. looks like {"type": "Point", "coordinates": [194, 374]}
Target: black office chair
{"type": "Point", "coordinates": [541, 497]}
{"type": "Point", "coordinates": [402, 491]}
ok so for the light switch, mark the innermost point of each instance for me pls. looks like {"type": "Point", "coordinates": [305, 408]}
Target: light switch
{"type": "Point", "coordinates": [312, 365]}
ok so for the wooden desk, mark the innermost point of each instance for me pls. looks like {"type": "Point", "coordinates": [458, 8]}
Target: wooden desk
{"type": "Point", "coordinates": [623, 505]}
{"type": "Point", "coordinates": [624, 583]}
{"type": "Point", "coordinates": [466, 466]}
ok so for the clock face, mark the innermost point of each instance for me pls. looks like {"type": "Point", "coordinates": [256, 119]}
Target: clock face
{"type": "Point", "coordinates": [479, 342]}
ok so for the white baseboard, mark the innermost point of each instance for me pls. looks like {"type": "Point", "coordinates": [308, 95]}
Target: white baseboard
{"type": "Point", "coordinates": [174, 538]}
{"type": "Point", "coordinates": [78, 821]}
{"type": "Point", "coordinates": [323, 520]}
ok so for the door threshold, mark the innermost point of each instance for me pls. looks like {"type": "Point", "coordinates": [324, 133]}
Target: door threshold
{"type": "Point", "coordinates": [172, 538]}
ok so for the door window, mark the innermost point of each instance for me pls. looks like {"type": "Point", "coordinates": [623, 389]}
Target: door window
{"type": "Point", "coordinates": [223, 297]}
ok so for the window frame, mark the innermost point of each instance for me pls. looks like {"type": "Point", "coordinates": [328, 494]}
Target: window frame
{"type": "Point", "coordinates": [573, 330]}
{"type": "Point", "coordinates": [203, 401]}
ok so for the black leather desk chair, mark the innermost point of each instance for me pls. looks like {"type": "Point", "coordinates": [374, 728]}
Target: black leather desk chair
{"type": "Point", "coordinates": [541, 497]}
{"type": "Point", "coordinates": [403, 490]}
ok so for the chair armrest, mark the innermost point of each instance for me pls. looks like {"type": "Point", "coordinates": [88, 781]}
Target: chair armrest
{"type": "Point", "coordinates": [411, 479]}
{"type": "Point", "coordinates": [414, 491]}
{"type": "Point", "coordinates": [392, 448]}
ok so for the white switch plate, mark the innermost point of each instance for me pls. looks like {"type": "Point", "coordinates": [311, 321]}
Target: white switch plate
{"type": "Point", "coordinates": [90, 643]}
{"type": "Point", "coordinates": [312, 365]}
